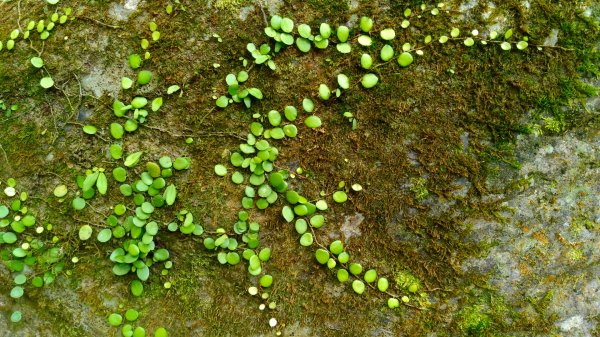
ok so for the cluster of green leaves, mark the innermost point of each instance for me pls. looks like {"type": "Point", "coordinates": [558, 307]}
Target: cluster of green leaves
{"type": "Point", "coordinates": [42, 27]}
{"type": "Point", "coordinates": [25, 250]}
{"type": "Point", "coordinates": [128, 330]}
{"type": "Point", "coordinates": [228, 247]}
{"type": "Point", "coordinates": [236, 95]}
{"type": "Point", "coordinates": [149, 191]}
{"type": "Point", "coordinates": [8, 109]}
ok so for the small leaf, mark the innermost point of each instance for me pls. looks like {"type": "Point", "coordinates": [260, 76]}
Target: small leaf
{"type": "Point", "coordinates": [102, 183]}
{"type": "Point", "coordinates": [85, 232]}
{"type": "Point", "coordinates": [222, 102]}
{"type": "Point", "coordinates": [172, 89]}
{"type": "Point", "coordinates": [90, 181]}
{"type": "Point", "coordinates": [37, 62]}
{"type": "Point", "coordinates": [343, 81]}
{"type": "Point", "coordinates": [287, 213]}
{"type": "Point", "coordinates": [170, 194]}
{"type": "Point", "coordinates": [157, 103]}
{"type": "Point", "coordinates": [405, 59]}
{"type": "Point", "coordinates": [90, 129]}
{"type": "Point", "coordinates": [133, 159]}
{"type": "Point", "coordinates": [47, 82]}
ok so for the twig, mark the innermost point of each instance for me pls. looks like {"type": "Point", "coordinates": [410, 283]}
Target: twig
{"type": "Point", "coordinates": [98, 22]}
{"type": "Point", "coordinates": [262, 9]}
{"type": "Point", "coordinates": [206, 134]}
{"type": "Point", "coordinates": [5, 156]}
{"type": "Point", "coordinates": [19, 17]}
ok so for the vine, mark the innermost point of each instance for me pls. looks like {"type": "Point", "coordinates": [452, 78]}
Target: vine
{"type": "Point", "coordinates": [146, 191]}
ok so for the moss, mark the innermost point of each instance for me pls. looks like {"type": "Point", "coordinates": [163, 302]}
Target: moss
{"type": "Point", "coordinates": [472, 321]}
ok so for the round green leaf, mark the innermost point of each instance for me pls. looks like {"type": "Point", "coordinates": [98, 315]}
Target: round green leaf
{"type": "Point", "coordinates": [222, 102]}
{"type": "Point", "coordinates": [131, 315]}
{"type": "Point", "coordinates": [287, 213]}
{"type": "Point", "coordinates": [137, 288]}
{"type": "Point", "coordinates": [340, 196]}
{"type": "Point", "coordinates": [312, 122]}
{"type": "Point", "coordinates": [369, 80]}
{"type": "Point", "coordinates": [405, 59]}
{"type": "Point", "coordinates": [47, 82]}
{"type": "Point", "coordinates": [17, 292]}
{"type": "Point", "coordinates": [343, 48]}
{"type": "Point", "coordinates": [355, 268]}
{"type": "Point", "coordinates": [303, 44]}
{"type": "Point", "coordinates": [336, 247]}
{"type": "Point", "coordinates": [388, 34]}
{"type": "Point", "coordinates": [306, 239]}
{"type": "Point", "coordinates": [342, 33]}
{"type": "Point", "coordinates": [322, 255]}
{"type": "Point", "coordinates": [37, 62]}
{"type": "Point", "coordinates": [115, 319]}
{"type": "Point", "coordinates": [266, 281]}
{"type": "Point", "coordinates": [59, 192]}
{"type": "Point", "coordinates": [104, 235]}
{"type": "Point", "coordinates": [144, 77]}
{"type": "Point", "coordinates": [382, 284]}
{"type": "Point", "coordinates": [370, 276]}
{"type": "Point", "coordinates": [16, 316]}
{"type": "Point", "coordinates": [85, 232]}
{"type": "Point", "coordinates": [358, 286]}
{"type": "Point", "coordinates": [342, 275]}
{"type": "Point", "coordinates": [387, 52]}
{"type": "Point", "coordinates": [78, 204]}
{"type": "Point", "coordinates": [220, 170]}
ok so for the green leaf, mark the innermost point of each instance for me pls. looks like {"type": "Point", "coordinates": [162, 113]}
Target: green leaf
{"type": "Point", "coordinates": [505, 46]}
{"type": "Point", "coordinates": [382, 284]}
{"type": "Point", "coordinates": [133, 159]}
{"type": "Point", "coordinates": [358, 286]}
{"type": "Point", "coordinates": [37, 62]}
{"type": "Point", "coordinates": [521, 45]}
{"type": "Point", "coordinates": [78, 204]}
{"type": "Point", "coordinates": [90, 129]}
{"type": "Point", "coordinates": [85, 232]}
{"type": "Point", "coordinates": [222, 102]}
{"type": "Point", "coordinates": [340, 196]}
{"type": "Point", "coordinates": [220, 170]}
{"type": "Point", "coordinates": [343, 81]}
{"type": "Point", "coordinates": [172, 89]}
{"type": "Point", "coordinates": [387, 52]}
{"type": "Point", "coordinates": [343, 48]}
{"type": "Point", "coordinates": [388, 34]}
{"type": "Point", "coordinates": [306, 239]}
{"type": "Point", "coordinates": [170, 194]}
{"type": "Point", "coordinates": [90, 181]}
{"type": "Point", "coordinates": [287, 25]}
{"type": "Point", "coordinates": [342, 33]}
{"type": "Point", "coordinates": [322, 255]}
{"type": "Point", "coordinates": [101, 183]}
{"type": "Point", "coordinates": [137, 288]}
{"type": "Point", "coordinates": [287, 213]}
{"type": "Point", "coordinates": [157, 103]}
{"type": "Point", "coordinates": [405, 59]}
{"type": "Point", "coordinates": [104, 235]}
{"type": "Point", "coordinates": [47, 82]}
{"type": "Point", "coordinates": [312, 122]}
{"type": "Point", "coordinates": [303, 44]}
{"type": "Point", "coordinates": [369, 80]}
{"type": "Point", "coordinates": [255, 92]}
{"type": "Point", "coordinates": [144, 77]}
